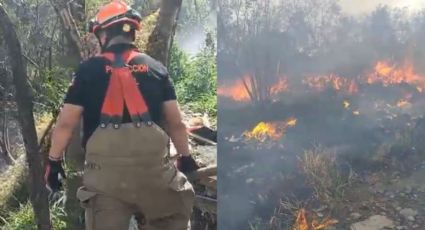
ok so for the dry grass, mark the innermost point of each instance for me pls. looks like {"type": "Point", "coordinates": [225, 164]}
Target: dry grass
{"type": "Point", "coordinates": [11, 181]}
{"type": "Point", "coordinates": [325, 176]}
{"type": "Point", "coordinates": [14, 177]}
{"type": "Point", "coordinates": [283, 216]}
{"type": "Point", "coordinates": [41, 123]}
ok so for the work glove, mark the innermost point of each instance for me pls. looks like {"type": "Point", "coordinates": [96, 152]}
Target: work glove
{"type": "Point", "coordinates": [186, 164]}
{"type": "Point", "coordinates": [54, 175]}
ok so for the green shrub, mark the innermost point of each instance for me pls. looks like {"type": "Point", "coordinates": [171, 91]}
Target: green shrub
{"type": "Point", "coordinates": [195, 79]}
{"type": "Point", "coordinates": [49, 88]}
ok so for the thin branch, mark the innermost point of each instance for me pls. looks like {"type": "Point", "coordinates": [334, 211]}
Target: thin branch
{"type": "Point", "coordinates": [31, 61]}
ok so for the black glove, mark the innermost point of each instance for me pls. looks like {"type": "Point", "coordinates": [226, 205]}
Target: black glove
{"type": "Point", "coordinates": [186, 164]}
{"type": "Point", "coordinates": [53, 175]}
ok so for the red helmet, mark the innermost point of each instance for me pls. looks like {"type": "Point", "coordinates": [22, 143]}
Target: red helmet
{"type": "Point", "coordinates": [115, 12]}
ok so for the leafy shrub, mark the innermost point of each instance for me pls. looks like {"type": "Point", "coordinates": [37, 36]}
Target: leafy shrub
{"type": "Point", "coordinates": [49, 88]}
{"type": "Point", "coordinates": [195, 79]}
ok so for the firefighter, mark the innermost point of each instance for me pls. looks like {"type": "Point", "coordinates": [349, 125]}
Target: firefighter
{"type": "Point", "coordinates": [128, 106]}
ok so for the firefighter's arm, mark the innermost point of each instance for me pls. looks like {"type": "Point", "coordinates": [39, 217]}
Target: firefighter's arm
{"type": "Point", "coordinates": [68, 120]}
{"type": "Point", "coordinates": [175, 127]}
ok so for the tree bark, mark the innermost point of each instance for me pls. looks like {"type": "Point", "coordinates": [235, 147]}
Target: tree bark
{"type": "Point", "coordinates": [38, 193]}
{"type": "Point", "coordinates": [160, 40]}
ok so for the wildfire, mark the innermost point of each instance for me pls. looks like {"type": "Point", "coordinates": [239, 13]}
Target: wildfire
{"type": "Point", "coordinates": [241, 88]}
{"type": "Point", "coordinates": [388, 74]}
{"type": "Point", "coordinates": [336, 82]}
{"type": "Point", "coordinates": [403, 103]}
{"type": "Point", "coordinates": [280, 86]}
{"type": "Point", "coordinates": [291, 122]}
{"type": "Point", "coordinates": [301, 222]}
{"type": "Point", "coordinates": [238, 91]}
{"type": "Point", "coordinates": [270, 130]}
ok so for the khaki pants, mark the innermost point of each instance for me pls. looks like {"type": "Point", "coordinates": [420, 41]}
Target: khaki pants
{"type": "Point", "coordinates": [128, 172]}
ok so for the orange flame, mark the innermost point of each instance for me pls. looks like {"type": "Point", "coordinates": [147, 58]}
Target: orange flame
{"type": "Point", "coordinates": [237, 91]}
{"type": "Point", "coordinates": [280, 86]}
{"type": "Point", "coordinates": [403, 103]}
{"type": "Point", "coordinates": [301, 223]}
{"type": "Point", "coordinates": [291, 122]}
{"type": "Point", "coordinates": [326, 223]}
{"type": "Point", "coordinates": [338, 83]}
{"type": "Point", "coordinates": [270, 130]}
{"type": "Point", "coordinates": [388, 74]}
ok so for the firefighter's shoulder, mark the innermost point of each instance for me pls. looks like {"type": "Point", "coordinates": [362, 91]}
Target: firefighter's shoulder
{"type": "Point", "coordinates": [155, 66]}
{"type": "Point", "coordinates": [90, 65]}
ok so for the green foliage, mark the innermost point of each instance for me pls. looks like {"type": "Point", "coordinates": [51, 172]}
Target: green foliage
{"type": "Point", "coordinates": [49, 88]}
{"type": "Point", "coordinates": [195, 79]}
{"type": "Point", "coordinates": [23, 218]}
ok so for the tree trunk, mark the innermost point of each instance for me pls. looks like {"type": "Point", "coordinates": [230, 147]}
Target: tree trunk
{"type": "Point", "coordinates": [162, 36]}
{"type": "Point", "coordinates": [38, 193]}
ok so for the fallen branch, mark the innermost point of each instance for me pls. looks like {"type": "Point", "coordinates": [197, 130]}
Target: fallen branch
{"type": "Point", "coordinates": [203, 173]}
{"type": "Point", "coordinates": [202, 139]}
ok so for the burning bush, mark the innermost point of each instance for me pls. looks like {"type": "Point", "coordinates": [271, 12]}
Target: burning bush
{"type": "Point", "coordinates": [324, 175]}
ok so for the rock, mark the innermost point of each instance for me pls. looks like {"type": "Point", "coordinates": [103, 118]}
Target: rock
{"type": "Point", "coordinates": [409, 213]}
{"type": "Point", "coordinates": [355, 216]}
{"type": "Point", "coordinates": [376, 222]}
{"type": "Point", "coordinates": [401, 227]}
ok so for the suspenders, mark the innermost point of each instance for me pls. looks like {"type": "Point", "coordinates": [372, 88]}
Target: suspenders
{"type": "Point", "coordinates": [123, 91]}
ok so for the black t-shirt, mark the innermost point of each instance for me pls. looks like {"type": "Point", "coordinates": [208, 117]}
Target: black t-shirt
{"type": "Point", "coordinates": [90, 83]}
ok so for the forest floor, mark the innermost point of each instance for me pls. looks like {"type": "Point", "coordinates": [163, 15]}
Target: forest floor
{"type": "Point", "coordinates": [389, 198]}
{"type": "Point", "coordinates": [363, 177]}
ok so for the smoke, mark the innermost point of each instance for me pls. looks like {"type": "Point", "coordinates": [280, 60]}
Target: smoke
{"type": "Point", "coordinates": [193, 43]}
{"type": "Point", "coordinates": [367, 6]}
{"type": "Point", "coordinates": [191, 35]}
{"type": "Point", "coordinates": [311, 38]}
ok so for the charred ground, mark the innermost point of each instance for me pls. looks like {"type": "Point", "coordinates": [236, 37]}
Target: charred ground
{"type": "Point", "coordinates": [355, 87]}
